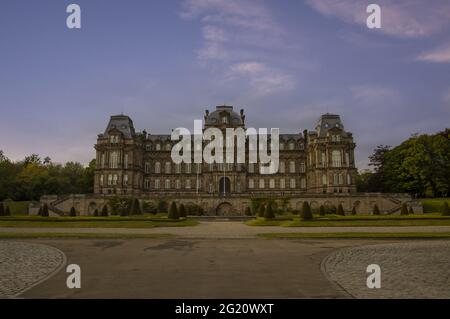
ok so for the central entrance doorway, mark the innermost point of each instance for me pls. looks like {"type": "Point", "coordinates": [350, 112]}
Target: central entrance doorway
{"type": "Point", "coordinates": [224, 186]}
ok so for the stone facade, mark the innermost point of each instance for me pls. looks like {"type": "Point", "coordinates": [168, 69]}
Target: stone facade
{"type": "Point", "coordinates": [132, 163]}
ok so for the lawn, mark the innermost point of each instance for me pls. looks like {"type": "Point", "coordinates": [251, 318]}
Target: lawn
{"type": "Point", "coordinates": [92, 222]}
{"type": "Point", "coordinates": [355, 221]}
{"type": "Point", "coordinates": [17, 208]}
{"type": "Point", "coordinates": [355, 235]}
{"type": "Point", "coordinates": [81, 236]}
{"type": "Point", "coordinates": [434, 205]}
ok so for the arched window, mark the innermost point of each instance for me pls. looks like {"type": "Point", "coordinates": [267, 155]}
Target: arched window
{"type": "Point", "coordinates": [157, 184]}
{"type": "Point", "coordinates": [324, 179]}
{"type": "Point", "coordinates": [291, 146]}
{"type": "Point", "coordinates": [158, 146]}
{"type": "Point", "coordinates": [157, 167]}
{"type": "Point", "coordinates": [261, 183]}
{"type": "Point", "coordinates": [113, 160]}
{"type": "Point", "coordinates": [167, 168]}
{"type": "Point", "coordinates": [167, 184]}
{"type": "Point", "coordinates": [282, 183]}
{"type": "Point", "coordinates": [251, 183]}
{"type": "Point", "coordinates": [177, 184]}
{"type": "Point", "coordinates": [291, 167]}
{"type": "Point", "coordinates": [349, 179]}
{"type": "Point", "coordinates": [272, 183]}
{"type": "Point", "coordinates": [292, 182]}
{"type": "Point", "coordinates": [282, 167]}
{"type": "Point", "coordinates": [336, 158]}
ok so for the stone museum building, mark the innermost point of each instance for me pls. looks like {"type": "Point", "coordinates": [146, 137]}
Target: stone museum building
{"type": "Point", "coordinates": [315, 165]}
{"type": "Point", "coordinates": [139, 163]}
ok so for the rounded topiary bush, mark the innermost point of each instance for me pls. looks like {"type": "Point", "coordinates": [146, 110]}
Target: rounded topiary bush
{"type": "Point", "coordinates": [376, 210]}
{"type": "Point", "coordinates": [182, 211]}
{"type": "Point", "coordinates": [173, 211]}
{"type": "Point", "coordinates": [268, 213]}
{"type": "Point", "coordinates": [306, 213]}
{"type": "Point", "coordinates": [340, 210]}
{"type": "Point", "coordinates": [72, 212]}
{"type": "Point", "coordinates": [404, 210]}
{"type": "Point", "coordinates": [445, 209]}
{"type": "Point", "coordinates": [322, 210]}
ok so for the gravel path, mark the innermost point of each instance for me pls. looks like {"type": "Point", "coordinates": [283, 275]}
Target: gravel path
{"type": "Point", "coordinates": [226, 230]}
{"type": "Point", "coordinates": [408, 270]}
{"type": "Point", "coordinates": [23, 265]}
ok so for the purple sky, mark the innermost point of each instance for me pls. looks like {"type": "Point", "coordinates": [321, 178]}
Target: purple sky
{"type": "Point", "coordinates": [164, 62]}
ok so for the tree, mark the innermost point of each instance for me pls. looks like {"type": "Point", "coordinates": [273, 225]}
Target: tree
{"type": "Point", "coordinates": [96, 213]}
{"type": "Point", "coordinates": [354, 210]}
{"type": "Point", "coordinates": [45, 212]}
{"type": "Point", "coordinates": [376, 210]}
{"type": "Point", "coordinates": [268, 213]}
{"type": "Point", "coordinates": [306, 213]}
{"type": "Point", "coordinates": [340, 210]}
{"type": "Point", "coordinates": [173, 211]}
{"type": "Point", "coordinates": [322, 210]}
{"type": "Point", "coordinates": [7, 211]}
{"type": "Point", "coordinates": [135, 208]}
{"type": "Point", "coordinates": [404, 210]}
{"type": "Point", "coordinates": [72, 212]}
{"type": "Point", "coordinates": [201, 211]}
{"type": "Point", "coordinates": [105, 211]}
{"type": "Point", "coordinates": [446, 210]}
{"type": "Point", "coordinates": [411, 210]}
{"type": "Point", "coordinates": [2, 210]}
{"type": "Point", "coordinates": [182, 211]}
{"type": "Point", "coordinates": [248, 211]}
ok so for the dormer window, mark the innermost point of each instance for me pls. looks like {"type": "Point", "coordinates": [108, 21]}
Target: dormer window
{"type": "Point", "coordinates": [224, 120]}
{"type": "Point", "coordinates": [114, 139]}
{"type": "Point", "coordinates": [158, 147]}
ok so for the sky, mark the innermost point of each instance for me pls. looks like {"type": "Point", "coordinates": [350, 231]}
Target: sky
{"type": "Point", "coordinates": [163, 63]}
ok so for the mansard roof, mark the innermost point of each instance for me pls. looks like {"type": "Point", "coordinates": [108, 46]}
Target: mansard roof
{"type": "Point", "coordinates": [122, 123]}
{"type": "Point", "coordinates": [215, 117]}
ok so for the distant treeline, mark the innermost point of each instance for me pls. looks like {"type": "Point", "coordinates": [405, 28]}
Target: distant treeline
{"type": "Point", "coordinates": [33, 177]}
{"type": "Point", "coordinates": [419, 166]}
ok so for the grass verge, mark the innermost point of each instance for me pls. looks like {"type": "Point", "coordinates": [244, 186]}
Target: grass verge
{"type": "Point", "coordinates": [80, 236]}
{"type": "Point", "coordinates": [355, 235]}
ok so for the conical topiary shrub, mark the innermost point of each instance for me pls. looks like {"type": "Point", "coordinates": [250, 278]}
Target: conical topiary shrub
{"type": "Point", "coordinates": [354, 210]}
{"type": "Point", "coordinates": [44, 212]}
{"type": "Point", "coordinates": [2, 209]}
{"type": "Point", "coordinates": [340, 210]}
{"type": "Point", "coordinates": [135, 208]}
{"type": "Point", "coordinates": [404, 210]}
{"type": "Point", "coordinates": [445, 209]}
{"type": "Point", "coordinates": [7, 211]}
{"type": "Point", "coordinates": [411, 210]}
{"type": "Point", "coordinates": [173, 211]}
{"type": "Point", "coordinates": [96, 213]}
{"type": "Point", "coordinates": [268, 213]}
{"type": "Point", "coordinates": [376, 210]}
{"type": "Point", "coordinates": [322, 210]}
{"type": "Point", "coordinates": [306, 213]}
{"type": "Point", "coordinates": [261, 210]}
{"type": "Point", "coordinates": [105, 211]}
{"type": "Point", "coordinates": [72, 212]}
{"type": "Point", "coordinates": [182, 211]}
{"type": "Point", "coordinates": [248, 211]}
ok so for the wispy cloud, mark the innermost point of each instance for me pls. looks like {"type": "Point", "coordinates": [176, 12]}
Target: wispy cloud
{"type": "Point", "coordinates": [234, 32]}
{"type": "Point", "coordinates": [437, 55]}
{"type": "Point", "coordinates": [400, 18]}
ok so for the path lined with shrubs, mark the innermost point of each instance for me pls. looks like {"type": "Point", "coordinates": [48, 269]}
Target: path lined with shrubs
{"type": "Point", "coordinates": [229, 230]}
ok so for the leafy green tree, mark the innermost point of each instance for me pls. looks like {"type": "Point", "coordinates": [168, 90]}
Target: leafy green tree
{"type": "Point", "coordinates": [173, 211]}
{"type": "Point", "coordinates": [162, 206]}
{"type": "Point", "coordinates": [354, 210]}
{"type": "Point", "coordinates": [96, 213]}
{"type": "Point", "coordinates": [376, 210]}
{"type": "Point", "coordinates": [182, 211]}
{"type": "Point", "coordinates": [248, 211]}
{"type": "Point", "coordinates": [105, 211]}
{"type": "Point", "coordinates": [2, 209]}
{"type": "Point", "coordinates": [7, 211]}
{"type": "Point", "coordinates": [340, 210]}
{"type": "Point", "coordinates": [411, 210]}
{"type": "Point", "coordinates": [268, 213]}
{"type": "Point", "coordinates": [72, 212]}
{"type": "Point", "coordinates": [306, 213]}
{"type": "Point", "coordinates": [446, 209]}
